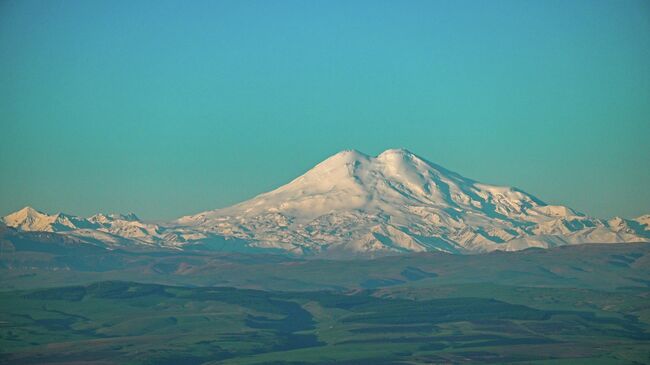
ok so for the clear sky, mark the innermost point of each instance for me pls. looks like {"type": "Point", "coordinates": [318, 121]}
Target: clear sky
{"type": "Point", "coordinates": [166, 108]}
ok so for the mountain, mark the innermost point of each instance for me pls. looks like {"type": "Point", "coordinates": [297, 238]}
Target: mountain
{"type": "Point", "coordinates": [112, 229]}
{"type": "Point", "coordinates": [354, 204]}
{"type": "Point", "coordinates": [400, 202]}
{"type": "Point", "coordinates": [30, 219]}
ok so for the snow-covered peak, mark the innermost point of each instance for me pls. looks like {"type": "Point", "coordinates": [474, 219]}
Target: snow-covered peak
{"type": "Point", "coordinates": [30, 219]}
{"type": "Point", "coordinates": [398, 201]}
{"type": "Point", "coordinates": [24, 214]}
{"type": "Point", "coordinates": [394, 180]}
{"type": "Point", "coordinates": [346, 156]}
{"type": "Point", "coordinates": [100, 218]}
{"type": "Point", "coordinates": [402, 156]}
{"type": "Point", "coordinates": [24, 218]}
{"type": "Point", "coordinates": [401, 160]}
{"type": "Point", "coordinates": [341, 165]}
{"type": "Point", "coordinates": [395, 152]}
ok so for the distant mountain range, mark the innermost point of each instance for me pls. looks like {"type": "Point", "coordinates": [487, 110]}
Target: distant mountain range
{"type": "Point", "coordinates": [351, 205]}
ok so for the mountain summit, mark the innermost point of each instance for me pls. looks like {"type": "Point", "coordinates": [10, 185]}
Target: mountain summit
{"type": "Point", "coordinates": [388, 183]}
{"type": "Point", "coordinates": [355, 204]}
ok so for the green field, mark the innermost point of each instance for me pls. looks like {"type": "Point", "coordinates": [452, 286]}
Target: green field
{"type": "Point", "coordinates": [65, 304]}
{"type": "Point", "coordinates": [122, 322]}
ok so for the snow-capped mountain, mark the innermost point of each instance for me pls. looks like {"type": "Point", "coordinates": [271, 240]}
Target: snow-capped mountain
{"type": "Point", "coordinates": [352, 203]}
{"type": "Point", "coordinates": [30, 219]}
{"type": "Point", "coordinates": [399, 202]}
{"type": "Point", "coordinates": [111, 229]}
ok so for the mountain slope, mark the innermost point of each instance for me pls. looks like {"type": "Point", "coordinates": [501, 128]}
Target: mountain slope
{"type": "Point", "coordinates": [354, 204]}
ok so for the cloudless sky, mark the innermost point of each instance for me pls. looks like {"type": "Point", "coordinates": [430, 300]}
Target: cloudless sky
{"type": "Point", "coordinates": [167, 108]}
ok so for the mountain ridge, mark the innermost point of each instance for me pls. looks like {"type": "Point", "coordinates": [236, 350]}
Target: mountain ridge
{"type": "Point", "coordinates": [355, 204]}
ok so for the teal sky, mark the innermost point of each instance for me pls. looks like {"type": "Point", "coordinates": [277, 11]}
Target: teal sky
{"type": "Point", "coordinates": [166, 108]}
